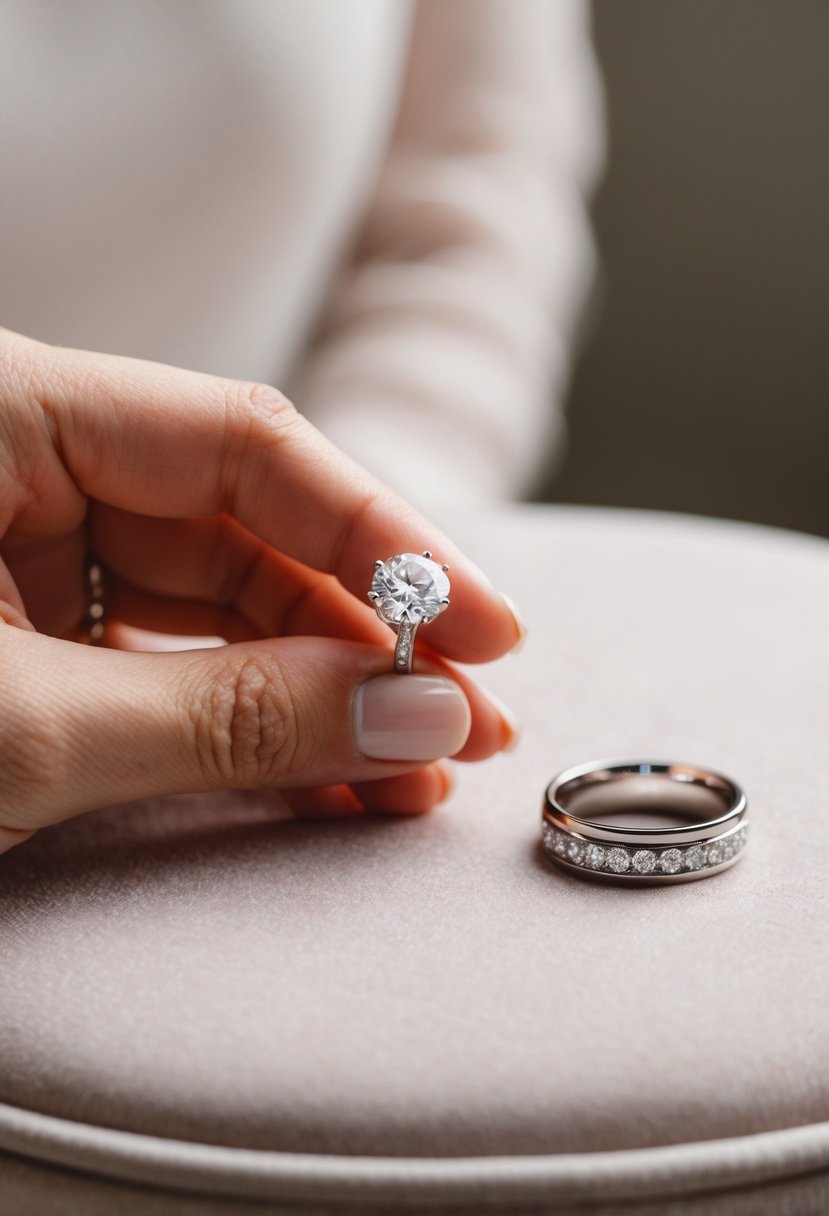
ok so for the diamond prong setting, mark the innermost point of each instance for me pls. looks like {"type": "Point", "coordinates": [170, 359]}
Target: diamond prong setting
{"type": "Point", "coordinates": [409, 587]}
{"type": "Point", "coordinates": [408, 590]}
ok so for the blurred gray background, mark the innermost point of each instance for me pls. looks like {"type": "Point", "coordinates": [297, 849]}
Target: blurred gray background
{"type": "Point", "coordinates": [703, 384]}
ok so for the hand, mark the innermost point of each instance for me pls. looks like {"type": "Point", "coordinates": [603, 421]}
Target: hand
{"type": "Point", "coordinates": [217, 510]}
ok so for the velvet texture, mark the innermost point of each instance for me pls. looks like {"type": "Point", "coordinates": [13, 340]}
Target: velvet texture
{"type": "Point", "coordinates": [395, 998]}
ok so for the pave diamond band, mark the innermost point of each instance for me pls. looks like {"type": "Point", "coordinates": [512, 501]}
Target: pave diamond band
{"type": "Point", "coordinates": [614, 836]}
{"type": "Point", "coordinates": [408, 590]}
{"type": "Point", "coordinates": [690, 860]}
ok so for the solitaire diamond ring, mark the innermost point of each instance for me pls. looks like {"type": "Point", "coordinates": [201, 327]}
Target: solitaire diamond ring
{"type": "Point", "coordinates": [408, 590]}
{"type": "Point", "coordinates": [593, 821]}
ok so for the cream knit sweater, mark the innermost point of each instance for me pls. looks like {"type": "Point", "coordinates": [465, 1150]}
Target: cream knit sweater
{"type": "Point", "coordinates": [376, 205]}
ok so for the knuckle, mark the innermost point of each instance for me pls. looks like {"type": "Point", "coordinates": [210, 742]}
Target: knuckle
{"type": "Point", "coordinates": [259, 421]}
{"type": "Point", "coordinates": [265, 399]}
{"type": "Point", "coordinates": [258, 412]}
{"type": "Point", "coordinates": [245, 725]}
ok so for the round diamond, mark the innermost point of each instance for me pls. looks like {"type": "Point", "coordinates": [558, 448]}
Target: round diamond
{"type": "Point", "coordinates": [409, 588]}
{"type": "Point", "coordinates": [644, 861]}
{"type": "Point", "coordinates": [594, 856]}
{"type": "Point", "coordinates": [548, 835]}
{"type": "Point", "coordinates": [618, 860]}
{"type": "Point", "coordinates": [575, 852]}
{"type": "Point", "coordinates": [732, 844]}
{"type": "Point", "coordinates": [716, 853]}
{"type": "Point", "coordinates": [695, 857]}
{"type": "Point", "coordinates": [560, 844]}
{"type": "Point", "coordinates": [670, 862]}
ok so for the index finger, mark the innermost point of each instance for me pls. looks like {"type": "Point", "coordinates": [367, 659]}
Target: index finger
{"type": "Point", "coordinates": [160, 440]}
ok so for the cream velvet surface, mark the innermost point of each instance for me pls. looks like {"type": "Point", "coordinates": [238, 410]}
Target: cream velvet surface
{"type": "Point", "coordinates": [204, 970]}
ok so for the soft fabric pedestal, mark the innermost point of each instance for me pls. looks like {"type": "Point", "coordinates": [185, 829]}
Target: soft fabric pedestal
{"type": "Point", "coordinates": [206, 1007]}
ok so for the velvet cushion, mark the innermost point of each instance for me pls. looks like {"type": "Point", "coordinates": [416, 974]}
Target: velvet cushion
{"type": "Point", "coordinates": [416, 1013]}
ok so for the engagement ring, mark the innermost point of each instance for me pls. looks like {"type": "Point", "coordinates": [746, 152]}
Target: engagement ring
{"type": "Point", "coordinates": [408, 590]}
{"type": "Point", "coordinates": [593, 821]}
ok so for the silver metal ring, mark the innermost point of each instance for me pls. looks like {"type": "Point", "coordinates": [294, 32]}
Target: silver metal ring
{"type": "Point", "coordinates": [94, 625]}
{"type": "Point", "coordinates": [407, 591]}
{"type": "Point", "coordinates": [603, 842]}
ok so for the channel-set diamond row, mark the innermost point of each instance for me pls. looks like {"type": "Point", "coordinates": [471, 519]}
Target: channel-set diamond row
{"type": "Point", "coordinates": [614, 859]}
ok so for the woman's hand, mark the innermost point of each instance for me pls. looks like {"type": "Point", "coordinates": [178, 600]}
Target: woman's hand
{"type": "Point", "coordinates": [217, 510]}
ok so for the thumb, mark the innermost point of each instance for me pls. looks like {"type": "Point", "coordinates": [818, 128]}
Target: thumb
{"type": "Point", "coordinates": [85, 727]}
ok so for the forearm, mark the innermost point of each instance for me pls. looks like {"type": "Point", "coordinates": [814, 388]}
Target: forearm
{"type": "Point", "coordinates": [446, 344]}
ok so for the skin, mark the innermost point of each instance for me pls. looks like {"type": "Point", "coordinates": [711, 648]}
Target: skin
{"type": "Point", "coordinates": [216, 509]}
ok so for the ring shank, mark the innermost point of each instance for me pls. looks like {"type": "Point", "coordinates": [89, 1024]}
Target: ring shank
{"type": "Point", "coordinates": [404, 646]}
{"type": "Point", "coordinates": [680, 774]}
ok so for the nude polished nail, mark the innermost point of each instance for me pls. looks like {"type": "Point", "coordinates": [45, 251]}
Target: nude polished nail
{"type": "Point", "coordinates": [520, 623]}
{"type": "Point", "coordinates": [407, 717]}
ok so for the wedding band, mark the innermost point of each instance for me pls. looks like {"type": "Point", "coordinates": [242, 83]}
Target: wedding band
{"type": "Point", "coordinates": [604, 790]}
{"type": "Point", "coordinates": [92, 629]}
{"type": "Point", "coordinates": [407, 591]}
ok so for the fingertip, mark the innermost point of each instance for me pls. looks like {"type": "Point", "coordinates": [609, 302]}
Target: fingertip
{"type": "Point", "coordinates": [495, 727]}
{"type": "Point", "coordinates": [518, 623]}
{"type": "Point", "coordinates": [480, 625]}
{"type": "Point", "coordinates": [508, 722]}
{"type": "Point", "coordinates": [323, 802]}
{"type": "Point", "coordinates": [448, 779]}
{"type": "Point", "coordinates": [410, 794]}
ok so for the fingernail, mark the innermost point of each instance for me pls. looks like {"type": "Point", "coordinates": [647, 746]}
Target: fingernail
{"type": "Point", "coordinates": [399, 717]}
{"type": "Point", "coordinates": [510, 725]}
{"type": "Point", "coordinates": [518, 620]}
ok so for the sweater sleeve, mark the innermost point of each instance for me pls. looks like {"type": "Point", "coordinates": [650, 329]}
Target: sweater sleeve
{"type": "Point", "coordinates": [443, 359]}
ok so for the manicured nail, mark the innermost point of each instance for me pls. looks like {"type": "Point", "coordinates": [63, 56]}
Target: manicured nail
{"type": "Point", "coordinates": [406, 717]}
{"type": "Point", "coordinates": [510, 725]}
{"type": "Point", "coordinates": [520, 626]}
